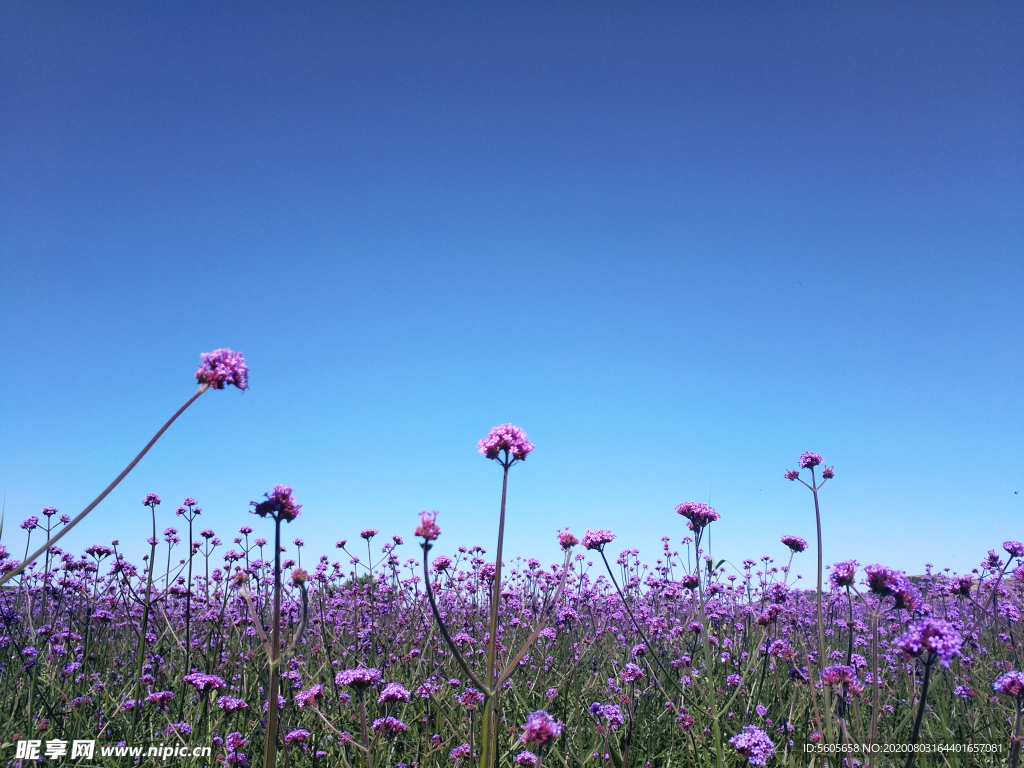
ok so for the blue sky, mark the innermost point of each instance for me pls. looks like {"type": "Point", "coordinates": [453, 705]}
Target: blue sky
{"type": "Point", "coordinates": [679, 244]}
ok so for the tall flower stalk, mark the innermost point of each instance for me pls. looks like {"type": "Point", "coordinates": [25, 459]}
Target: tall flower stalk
{"type": "Point", "coordinates": [217, 370]}
{"type": "Point", "coordinates": [809, 460]}
{"type": "Point", "coordinates": [280, 506]}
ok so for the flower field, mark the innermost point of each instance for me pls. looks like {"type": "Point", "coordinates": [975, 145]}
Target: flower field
{"type": "Point", "coordinates": [274, 655]}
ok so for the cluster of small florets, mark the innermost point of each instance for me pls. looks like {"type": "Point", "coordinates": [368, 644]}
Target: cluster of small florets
{"type": "Point", "coordinates": [838, 674]}
{"type": "Point", "coordinates": [359, 678]}
{"type": "Point", "coordinates": [608, 712]}
{"type": "Point", "coordinates": [1010, 684]}
{"type": "Point", "coordinates": [203, 682]}
{"type": "Point", "coordinates": [279, 504]}
{"type": "Point", "coordinates": [698, 514]}
{"type": "Point", "coordinates": [506, 438]}
{"type": "Point", "coordinates": [221, 367]}
{"type": "Point", "coordinates": [389, 726]}
{"type": "Point", "coordinates": [540, 728]}
{"type": "Point", "coordinates": [843, 573]}
{"type": "Point", "coordinates": [393, 692]}
{"type": "Point", "coordinates": [753, 744]}
{"type": "Point", "coordinates": [597, 539]}
{"type": "Point", "coordinates": [567, 540]}
{"type": "Point", "coordinates": [931, 636]}
{"type": "Point", "coordinates": [1014, 548]}
{"type": "Point", "coordinates": [795, 543]}
{"type": "Point", "coordinates": [428, 527]}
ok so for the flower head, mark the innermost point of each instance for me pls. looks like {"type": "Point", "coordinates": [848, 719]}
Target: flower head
{"type": "Point", "coordinates": [540, 728]}
{"type": "Point", "coordinates": [1014, 548]}
{"type": "Point", "coordinates": [931, 636]}
{"type": "Point", "coordinates": [753, 744]}
{"type": "Point", "coordinates": [203, 682]}
{"type": "Point", "coordinates": [838, 674]}
{"type": "Point", "coordinates": [828, 473]}
{"type": "Point", "coordinates": [428, 527]}
{"type": "Point", "coordinates": [359, 678]}
{"type": "Point", "coordinates": [221, 367]}
{"type": "Point", "coordinates": [508, 438]}
{"type": "Point", "coordinates": [393, 692]}
{"type": "Point", "coordinates": [151, 500]}
{"type": "Point", "coordinates": [795, 543]}
{"type": "Point", "coordinates": [597, 539]}
{"type": "Point", "coordinates": [368, 534]}
{"type": "Point", "coordinates": [791, 474]}
{"type": "Point", "coordinates": [843, 573]}
{"type": "Point", "coordinates": [567, 540]}
{"type": "Point", "coordinates": [389, 726]}
{"type": "Point", "coordinates": [881, 580]}
{"type": "Point", "coordinates": [697, 513]}
{"type": "Point", "coordinates": [526, 758]}
{"type": "Point", "coordinates": [808, 460]}
{"type": "Point", "coordinates": [279, 504]}
{"type": "Point", "coordinates": [1010, 684]}
{"type": "Point", "coordinates": [297, 736]}
{"type": "Point", "coordinates": [310, 698]}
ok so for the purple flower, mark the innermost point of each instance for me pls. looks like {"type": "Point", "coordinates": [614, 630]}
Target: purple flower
{"type": "Point", "coordinates": [297, 736]}
{"type": "Point", "coordinates": [231, 704]}
{"type": "Point", "coordinates": [441, 563]}
{"type": "Point", "coordinates": [795, 543]}
{"type": "Point", "coordinates": [389, 726]}
{"type": "Point", "coordinates": [697, 513]}
{"type": "Point", "coordinates": [808, 460]}
{"type": "Point", "coordinates": [309, 698]}
{"type": "Point", "coordinates": [933, 636]}
{"type": "Point", "coordinates": [508, 438]}
{"type": "Point", "coordinates": [221, 367]}
{"type": "Point", "coordinates": [881, 580]}
{"type": "Point", "coordinates": [368, 534]}
{"type": "Point", "coordinates": [393, 692]}
{"type": "Point", "coordinates": [51, 511]}
{"type": "Point", "coordinates": [160, 699]}
{"type": "Point", "coordinates": [753, 744]}
{"type": "Point", "coordinates": [526, 758]}
{"type": "Point", "coordinates": [31, 523]}
{"type": "Point", "coordinates": [597, 539]}
{"type": "Point", "coordinates": [540, 728]}
{"type": "Point", "coordinates": [828, 473]}
{"type": "Point", "coordinates": [428, 527]}
{"type": "Point", "coordinates": [204, 683]}
{"type": "Point", "coordinates": [1010, 684]}
{"type": "Point", "coordinates": [631, 672]}
{"type": "Point", "coordinates": [838, 674]}
{"type": "Point", "coordinates": [791, 474]}
{"type": "Point", "coordinates": [279, 504]}
{"type": "Point", "coordinates": [358, 678]}
{"type": "Point", "coordinates": [843, 573]}
{"type": "Point", "coordinates": [567, 541]}
{"type": "Point", "coordinates": [460, 753]}
{"type": "Point", "coordinates": [151, 500]}
{"type": "Point", "coordinates": [1015, 548]}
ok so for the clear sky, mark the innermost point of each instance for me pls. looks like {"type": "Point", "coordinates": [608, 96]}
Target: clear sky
{"type": "Point", "coordinates": [678, 244]}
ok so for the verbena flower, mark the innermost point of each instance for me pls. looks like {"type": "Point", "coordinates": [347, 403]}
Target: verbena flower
{"type": "Point", "coordinates": [597, 539]}
{"type": "Point", "coordinates": [297, 736]}
{"type": "Point", "coordinates": [428, 527]}
{"type": "Point", "coordinates": [1014, 548]}
{"type": "Point", "coordinates": [309, 698]}
{"type": "Point", "coordinates": [843, 573]}
{"type": "Point", "coordinates": [368, 534]}
{"type": "Point", "coordinates": [540, 728]}
{"type": "Point", "coordinates": [359, 678]}
{"type": "Point", "coordinates": [698, 514]}
{"type": "Point", "coordinates": [203, 682]}
{"type": "Point", "coordinates": [393, 692]}
{"type": "Point", "coordinates": [791, 474]}
{"type": "Point", "coordinates": [279, 504]}
{"type": "Point", "coordinates": [221, 367]}
{"type": "Point", "coordinates": [389, 726]}
{"type": "Point", "coordinates": [506, 438]}
{"type": "Point", "coordinates": [931, 636]}
{"type": "Point", "coordinates": [1010, 684]}
{"type": "Point", "coordinates": [567, 540]}
{"type": "Point", "coordinates": [151, 500]}
{"type": "Point", "coordinates": [809, 459]}
{"type": "Point", "coordinates": [526, 758]}
{"type": "Point", "coordinates": [460, 753]}
{"type": "Point", "coordinates": [795, 543]}
{"type": "Point", "coordinates": [753, 744]}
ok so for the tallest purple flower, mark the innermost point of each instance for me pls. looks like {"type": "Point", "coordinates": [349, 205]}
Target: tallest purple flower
{"type": "Point", "coordinates": [221, 367]}
{"type": "Point", "coordinates": [279, 504]}
{"type": "Point", "coordinates": [508, 438]}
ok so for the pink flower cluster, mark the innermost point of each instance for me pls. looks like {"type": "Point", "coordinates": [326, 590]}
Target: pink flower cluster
{"type": "Point", "coordinates": [508, 438]}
